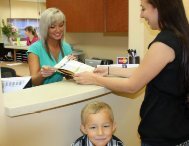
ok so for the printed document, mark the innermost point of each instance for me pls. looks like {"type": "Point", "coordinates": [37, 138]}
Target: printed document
{"type": "Point", "coordinates": [70, 67]}
{"type": "Point", "coordinates": [14, 83]}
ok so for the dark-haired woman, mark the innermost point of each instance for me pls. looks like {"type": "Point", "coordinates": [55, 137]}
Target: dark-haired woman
{"type": "Point", "coordinates": [165, 72]}
{"type": "Point", "coordinates": [31, 34]}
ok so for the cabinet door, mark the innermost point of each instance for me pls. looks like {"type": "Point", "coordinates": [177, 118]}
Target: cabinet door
{"type": "Point", "coordinates": [116, 16]}
{"type": "Point", "coordinates": [81, 15]}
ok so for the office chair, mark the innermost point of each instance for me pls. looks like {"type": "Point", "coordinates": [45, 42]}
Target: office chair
{"type": "Point", "coordinates": [7, 72]}
{"type": "Point", "coordinates": [4, 52]}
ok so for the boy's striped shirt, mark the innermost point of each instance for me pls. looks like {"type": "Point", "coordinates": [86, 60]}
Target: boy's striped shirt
{"type": "Point", "coordinates": [84, 141]}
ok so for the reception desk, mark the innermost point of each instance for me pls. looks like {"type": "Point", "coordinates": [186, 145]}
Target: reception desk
{"type": "Point", "coordinates": [49, 115]}
{"type": "Point", "coordinates": [15, 47]}
{"type": "Point", "coordinates": [49, 96]}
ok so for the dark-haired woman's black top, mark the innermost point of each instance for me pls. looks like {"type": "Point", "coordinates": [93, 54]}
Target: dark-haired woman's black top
{"type": "Point", "coordinates": [164, 114]}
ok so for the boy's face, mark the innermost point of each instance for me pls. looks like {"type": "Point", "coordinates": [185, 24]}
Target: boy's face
{"type": "Point", "coordinates": [99, 128]}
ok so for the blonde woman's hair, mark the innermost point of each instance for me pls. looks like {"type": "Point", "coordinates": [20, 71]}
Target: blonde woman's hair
{"type": "Point", "coordinates": [94, 108]}
{"type": "Point", "coordinates": [48, 18]}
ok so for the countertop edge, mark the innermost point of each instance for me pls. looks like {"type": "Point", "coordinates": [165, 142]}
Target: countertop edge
{"type": "Point", "coordinates": [54, 103]}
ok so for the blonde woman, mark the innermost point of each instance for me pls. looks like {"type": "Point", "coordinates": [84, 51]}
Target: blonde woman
{"type": "Point", "coordinates": [50, 49]}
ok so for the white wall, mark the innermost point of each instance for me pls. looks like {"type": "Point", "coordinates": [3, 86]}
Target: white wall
{"type": "Point", "coordinates": [4, 9]}
{"type": "Point", "coordinates": [136, 28]}
{"type": "Point", "coordinates": [25, 9]}
{"type": "Point", "coordinates": [99, 45]}
{"type": "Point", "coordinates": [4, 13]}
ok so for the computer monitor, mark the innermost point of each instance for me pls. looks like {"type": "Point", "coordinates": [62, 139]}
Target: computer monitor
{"type": "Point", "coordinates": [3, 52]}
{"type": "Point", "coordinates": [93, 62]}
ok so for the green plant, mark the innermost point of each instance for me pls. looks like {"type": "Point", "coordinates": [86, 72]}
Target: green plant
{"type": "Point", "coordinates": [9, 30]}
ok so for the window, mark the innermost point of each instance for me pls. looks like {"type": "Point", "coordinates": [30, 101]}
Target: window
{"type": "Point", "coordinates": [21, 23]}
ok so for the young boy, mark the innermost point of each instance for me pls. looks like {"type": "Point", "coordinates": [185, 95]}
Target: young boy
{"type": "Point", "coordinates": [97, 124]}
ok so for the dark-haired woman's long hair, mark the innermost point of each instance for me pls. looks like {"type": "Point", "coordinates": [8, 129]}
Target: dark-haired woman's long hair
{"type": "Point", "coordinates": [172, 16]}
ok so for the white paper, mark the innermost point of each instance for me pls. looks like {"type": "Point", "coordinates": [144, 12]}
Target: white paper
{"type": "Point", "coordinates": [77, 67]}
{"type": "Point", "coordinates": [74, 66]}
{"type": "Point", "coordinates": [62, 62]}
{"type": "Point", "coordinates": [14, 83]}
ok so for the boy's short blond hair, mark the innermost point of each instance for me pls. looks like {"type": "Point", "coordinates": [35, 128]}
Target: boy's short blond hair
{"type": "Point", "coordinates": [95, 107]}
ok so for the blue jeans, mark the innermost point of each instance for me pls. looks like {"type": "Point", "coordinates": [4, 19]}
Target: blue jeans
{"type": "Point", "coordinates": [182, 144]}
{"type": "Point", "coordinates": [145, 144]}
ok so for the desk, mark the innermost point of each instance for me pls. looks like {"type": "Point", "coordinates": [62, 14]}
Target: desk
{"type": "Point", "coordinates": [16, 48]}
{"type": "Point", "coordinates": [22, 69]}
{"type": "Point", "coordinates": [56, 108]}
{"type": "Point", "coordinates": [49, 96]}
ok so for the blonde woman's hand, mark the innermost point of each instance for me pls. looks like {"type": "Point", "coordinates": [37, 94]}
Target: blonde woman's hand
{"type": "Point", "coordinates": [47, 71]}
{"type": "Point", "coordinates": [71, 57]}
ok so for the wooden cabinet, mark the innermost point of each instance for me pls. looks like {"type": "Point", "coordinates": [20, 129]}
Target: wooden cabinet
{"type": "Point", "coordinates": [93, 15]}
{"type": "Point", "coordinates": [116, 16]}
{"type": "Point", "coordinates": [81, 15]}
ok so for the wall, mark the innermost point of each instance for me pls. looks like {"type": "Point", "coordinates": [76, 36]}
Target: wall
{"type": "Point", "coordinates": [99, 45]}
{"type": "Point", "coordinates": [4, 9]}
{"type": "Point", "coordinates": [24, 9]}
{"type": "Point", "coordinates": [136, 28]}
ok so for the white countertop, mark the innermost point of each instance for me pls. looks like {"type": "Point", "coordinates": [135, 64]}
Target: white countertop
{"type": "Point", "coordinates": [49, 96]}
{"type": "Point", "coordinates": [16, 47]}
